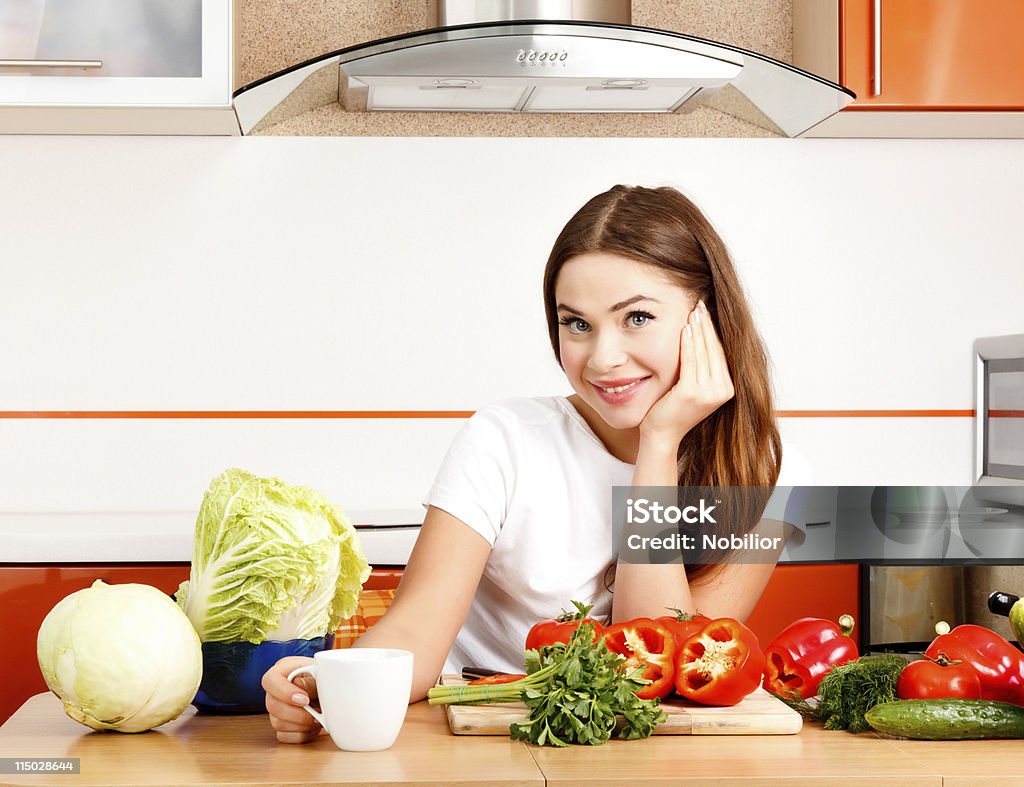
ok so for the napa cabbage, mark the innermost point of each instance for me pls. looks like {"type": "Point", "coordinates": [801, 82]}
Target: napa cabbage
{"type": "Point", "coordinates": [270, 561]}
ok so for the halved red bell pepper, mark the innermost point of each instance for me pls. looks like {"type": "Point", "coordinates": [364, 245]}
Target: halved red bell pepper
{"type": "Point", "coordinates": [799, 657]}
{"type": "Point", "coordinates": [645, 643]}
{"type": "Point", "coordinates": [559, 629]}
{"type": "Point", "coordinates": [720, 664]}
{"type": "Point", "coordinates": [683, 624]}
{"type": "Point", "coordinates": [1000, 666]}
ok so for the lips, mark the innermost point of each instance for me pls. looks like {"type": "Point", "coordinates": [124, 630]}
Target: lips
{"type": "Point", "coordinates": [619, 391]}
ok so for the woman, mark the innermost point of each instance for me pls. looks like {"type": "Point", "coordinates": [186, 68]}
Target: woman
{"type": "Point", "coordinates": [648, 320]}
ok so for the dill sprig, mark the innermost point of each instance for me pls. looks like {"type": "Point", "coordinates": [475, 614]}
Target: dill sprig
{"type": "Point", "coordinates": [850, 690]}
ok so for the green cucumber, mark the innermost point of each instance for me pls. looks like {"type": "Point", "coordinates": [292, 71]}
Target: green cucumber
{"type": "Point", "coordinates": [948, 720]}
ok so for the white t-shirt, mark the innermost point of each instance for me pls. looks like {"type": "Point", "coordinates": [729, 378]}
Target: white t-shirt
{"type": "Point", "coordinates": [532, 478]}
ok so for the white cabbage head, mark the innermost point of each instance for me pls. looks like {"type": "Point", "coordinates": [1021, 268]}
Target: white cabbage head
{"type": "Point", "coordinates": [121, 657]}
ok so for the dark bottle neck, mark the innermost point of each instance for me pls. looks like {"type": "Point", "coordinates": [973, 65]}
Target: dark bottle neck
{"type": "Point", "coordinates": [1000, 603]}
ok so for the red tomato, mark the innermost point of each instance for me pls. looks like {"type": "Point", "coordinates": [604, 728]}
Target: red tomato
{"type": "Point", "coordinates": [501, 677]}
{"type": "Point", "coordinates": [645, 643]}
{"type": "Point", "coordinates": [559, 629]}
{"type": "Point", "coordinates": [939, 678]}
{"type": "Point", "coordinates": [719, 665]}
{"type": "Point", "coordinates": [683, 624]}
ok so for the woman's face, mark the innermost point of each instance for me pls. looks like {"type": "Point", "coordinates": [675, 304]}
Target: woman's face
{"type": "Point", "coordinates": [620, 323]}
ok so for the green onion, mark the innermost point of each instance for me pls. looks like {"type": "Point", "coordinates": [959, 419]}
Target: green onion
{"type": "Point", "coordinates": [494, 692]}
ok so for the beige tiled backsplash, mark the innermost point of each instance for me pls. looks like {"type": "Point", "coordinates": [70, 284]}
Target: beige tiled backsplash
{"type": "Point", "coordinates": [275, 35]}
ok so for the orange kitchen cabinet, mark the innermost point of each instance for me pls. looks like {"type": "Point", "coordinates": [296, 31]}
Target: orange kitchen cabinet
{"type": "Point", "coordinates": [28, 593]}
{"type": "Point", "coordinates": [812, 590]}
{"type": "Point", "coordinates": [933, 54]}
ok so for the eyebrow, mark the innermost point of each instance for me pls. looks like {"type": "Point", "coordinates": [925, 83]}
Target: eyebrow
{"type": "Point", "coordinates": [616, 307]}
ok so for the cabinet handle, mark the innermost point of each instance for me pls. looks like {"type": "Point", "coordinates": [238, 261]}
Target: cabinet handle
{"type": "Point", "coordinates": [51, 64]}
{"type": "Point", "coordinates": [876, 62]}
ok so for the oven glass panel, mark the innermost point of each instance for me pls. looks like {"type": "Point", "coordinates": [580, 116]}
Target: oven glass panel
{"type": "Point", "coordinates": [1005, 417]}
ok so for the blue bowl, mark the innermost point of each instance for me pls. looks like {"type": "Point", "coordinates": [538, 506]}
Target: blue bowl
{"type": "Point", "coordinates": [233, 672]}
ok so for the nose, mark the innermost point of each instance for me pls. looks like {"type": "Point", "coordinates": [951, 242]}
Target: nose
{"type": "Point", "coordinates": [607, 353]}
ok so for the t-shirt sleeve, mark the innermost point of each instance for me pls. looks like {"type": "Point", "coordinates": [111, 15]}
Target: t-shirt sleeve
{"type": "Point", "coordinates": [477, 477]}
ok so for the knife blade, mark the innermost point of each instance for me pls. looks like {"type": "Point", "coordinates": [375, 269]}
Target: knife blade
{"type": "Point", "coordinates": [472, 673]}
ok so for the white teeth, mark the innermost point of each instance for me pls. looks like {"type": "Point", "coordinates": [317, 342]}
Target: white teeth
{"type": "Point", "coordinates": [619, 388]}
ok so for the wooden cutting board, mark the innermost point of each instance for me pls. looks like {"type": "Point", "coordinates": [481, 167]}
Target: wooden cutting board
{"type": "Point", "coordinates": [758, 714]}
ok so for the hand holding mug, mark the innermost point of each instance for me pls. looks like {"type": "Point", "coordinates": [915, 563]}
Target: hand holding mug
{"type": "Point", "coordinates": [286, 701]}
{"type": "Point", "coordinates": [364, 694]}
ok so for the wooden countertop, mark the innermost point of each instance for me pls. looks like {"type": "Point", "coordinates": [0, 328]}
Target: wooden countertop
{"type": "Point", "coordinates": [201, 749]}
{"type": "Point", "coordinates": [197, 749]}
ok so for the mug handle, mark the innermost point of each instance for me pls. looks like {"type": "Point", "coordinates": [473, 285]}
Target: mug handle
{"type": "Point", "coordinates": [309, 670]}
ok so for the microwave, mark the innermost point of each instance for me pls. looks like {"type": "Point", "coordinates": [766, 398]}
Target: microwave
{"type": "Point", "coordinates": [999, 418]}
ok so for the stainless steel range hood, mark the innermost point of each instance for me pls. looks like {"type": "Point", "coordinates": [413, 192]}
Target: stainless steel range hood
{"type": "Point", "coordinates": [545, 56]}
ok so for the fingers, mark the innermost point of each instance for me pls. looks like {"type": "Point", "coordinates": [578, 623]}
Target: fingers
{"type": "Point", "coordinates": [276, 684]}
{"type": "Point", "coordinates": [292, 727]}
{"type": "Point", "coordinates": [286, 701]}
{"type": "Point", "coordinates": [290, 716]}
{"type": "Point", "coordinates": [305, 725]}
{"type": "Point", "coordinates": [297, 737]}
{"type": "Point", "coordinates": [718, 365]}
{"type": "Point", "coordinates": [687, 357]}
{"type": "Point", "coordinates": [699, 322]}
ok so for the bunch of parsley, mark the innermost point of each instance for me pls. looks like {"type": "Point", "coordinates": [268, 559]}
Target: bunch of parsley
{"type": "Point", "coordinates": [585, 697]}
{"type": "Point", "coordinates": [576, 693]}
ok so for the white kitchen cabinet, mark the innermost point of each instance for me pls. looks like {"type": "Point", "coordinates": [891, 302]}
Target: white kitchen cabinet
{"type": "Point", "coordinates": [116, 66]}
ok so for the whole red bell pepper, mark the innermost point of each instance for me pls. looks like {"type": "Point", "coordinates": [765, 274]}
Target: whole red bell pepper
{"type": "Point", "coordinates": [549, 632]}
{"type": "Point", "coordinates": [645, 643]}
{"type": "Point", "coordinates": [720, 664]}
{"type": "Point", "coordinates": [1000, 666]}
{"type": "Point", "coordinates": [798, 658]}
{"type": "Point", "coordinates": [683, 624]}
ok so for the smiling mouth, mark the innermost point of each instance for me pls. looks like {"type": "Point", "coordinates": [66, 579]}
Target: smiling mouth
{"type": "Point", "coordinates": [613, 389]}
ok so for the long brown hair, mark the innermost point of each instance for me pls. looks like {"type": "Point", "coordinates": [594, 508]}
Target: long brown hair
{"type": "Point", "coordinates": [738, 444]}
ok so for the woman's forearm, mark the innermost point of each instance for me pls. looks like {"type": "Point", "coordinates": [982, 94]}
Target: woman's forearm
{"type": "Point", "coordinates": [648, 590]}
{"type": "Point", "coordinates": [656, 462]}
{"type": "Point", "coordinates": [425, 664]}
{"type": "Point", "coordinates": [433, 598]}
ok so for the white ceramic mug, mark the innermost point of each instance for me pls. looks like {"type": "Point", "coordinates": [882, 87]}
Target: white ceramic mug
{"type": "Point", "coordinates": [364, 693]}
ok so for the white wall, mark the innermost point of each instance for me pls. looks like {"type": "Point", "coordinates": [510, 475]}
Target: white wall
{"type": "Point", "coordinates": [404, 274]}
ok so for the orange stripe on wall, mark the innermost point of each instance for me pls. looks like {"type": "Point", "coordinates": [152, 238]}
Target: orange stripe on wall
{"type": "Point", "coordinates": [237, 414]}
{"type": "Point", "coordinates": [355, 414]}
{"type": "Point", "coordinates": [875, 413]}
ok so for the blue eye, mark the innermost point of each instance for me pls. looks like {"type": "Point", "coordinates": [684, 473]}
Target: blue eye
{"type": "Point", "coordinates": [639, 319]}
{"type": "Point", "coordinates": [574, 324]}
